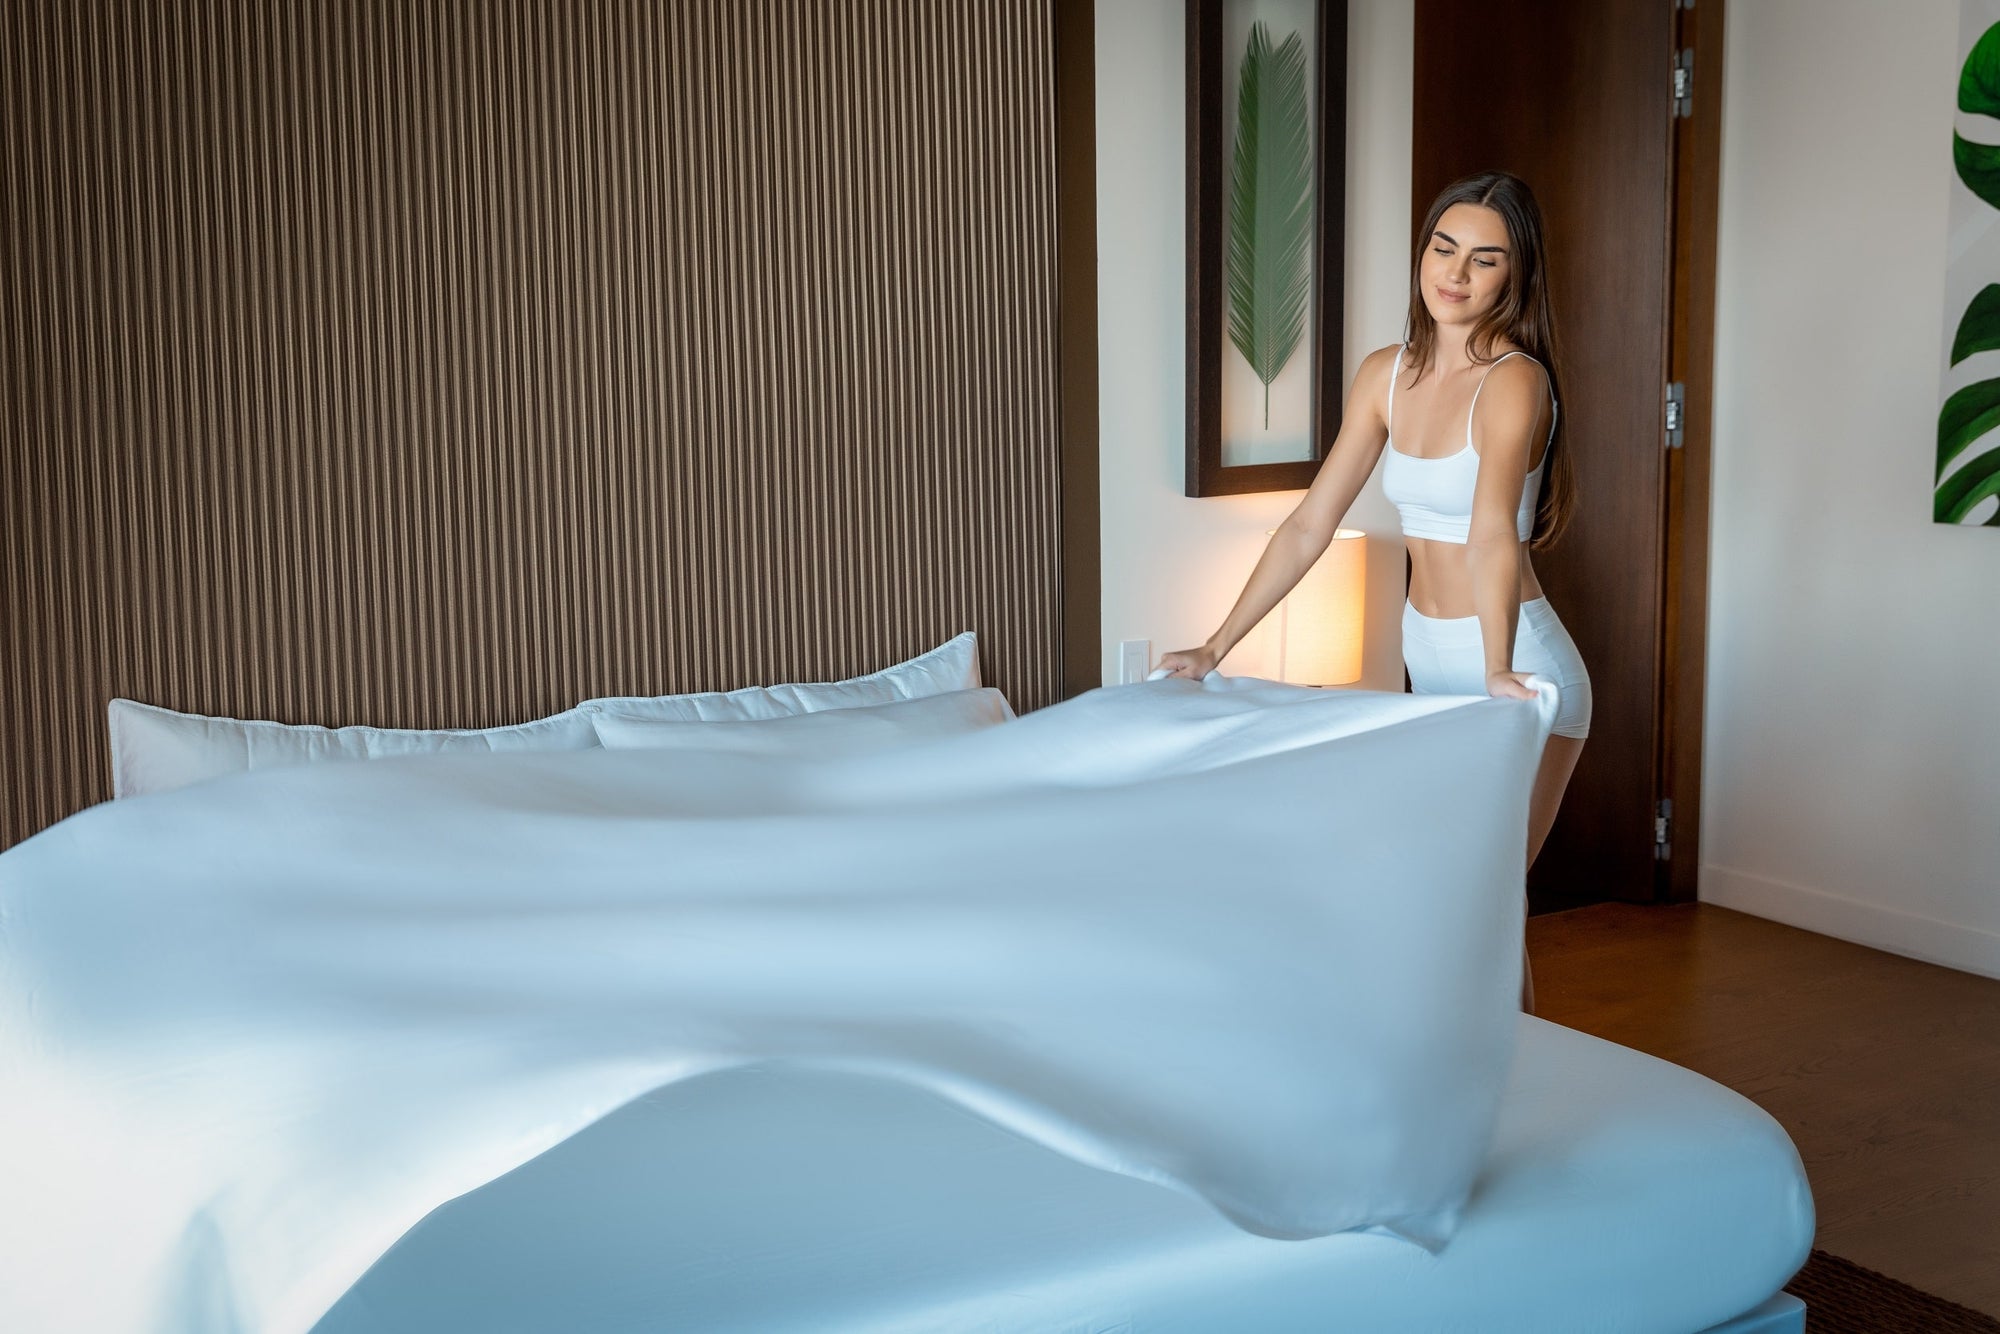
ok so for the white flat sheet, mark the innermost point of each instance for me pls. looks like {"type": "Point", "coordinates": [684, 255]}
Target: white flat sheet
{"type": "Point", "coordinates": [252, 1030]}
{"type": "Point", "coordinates": [1622, 1195]}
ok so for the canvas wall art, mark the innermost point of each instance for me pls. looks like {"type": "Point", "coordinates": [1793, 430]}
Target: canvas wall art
{"type": "Point", "coordinates": [1966, 481]}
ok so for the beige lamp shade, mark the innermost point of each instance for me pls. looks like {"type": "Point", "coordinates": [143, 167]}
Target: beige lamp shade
{"type": "Point", "coordinates": [1320, 627]}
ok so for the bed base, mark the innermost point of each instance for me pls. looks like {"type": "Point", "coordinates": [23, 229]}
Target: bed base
{"type": "Point", "coordinates": [1782, 1314]}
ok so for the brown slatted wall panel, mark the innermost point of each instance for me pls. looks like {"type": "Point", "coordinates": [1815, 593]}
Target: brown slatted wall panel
{"type": "Point", "coordinates": [443, 362]}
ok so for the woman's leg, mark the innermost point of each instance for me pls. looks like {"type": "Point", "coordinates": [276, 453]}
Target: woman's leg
{"type": "Point", "coordinates": [1559, 758]}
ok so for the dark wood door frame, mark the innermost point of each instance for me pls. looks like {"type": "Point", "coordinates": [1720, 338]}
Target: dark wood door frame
{"type": "Point", "coordinates": [1691, 363]}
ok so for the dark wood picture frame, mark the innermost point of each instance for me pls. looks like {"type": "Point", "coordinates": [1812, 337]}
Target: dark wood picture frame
{"type": "Point", "coordinates": [1074, 26]}
{"type": "Point", "coordinates": [1207, 207]}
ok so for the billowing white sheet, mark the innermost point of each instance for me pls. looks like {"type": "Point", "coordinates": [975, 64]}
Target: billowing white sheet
{"type": "Point", "coordinates": [1260, 945]}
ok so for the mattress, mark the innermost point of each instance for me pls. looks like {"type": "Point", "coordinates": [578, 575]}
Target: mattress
{"type": "Point", "coordinates": [1622, 1195]}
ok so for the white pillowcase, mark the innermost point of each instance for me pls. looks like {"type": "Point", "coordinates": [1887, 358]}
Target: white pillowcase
{"type": "Point", "coordinates": [953, 665]}
{"type": "Point", "coordinates": [824, 733]}
{"type": "Point", "coordinates": [158, 750]}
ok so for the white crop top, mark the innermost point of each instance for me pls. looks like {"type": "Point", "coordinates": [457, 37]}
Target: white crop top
{"type": "Point", "coordinates": [1434, 496]}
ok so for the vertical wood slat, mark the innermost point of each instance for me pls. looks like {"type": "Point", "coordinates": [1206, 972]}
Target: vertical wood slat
{"type": "Point", "coordinates": [443, 363]}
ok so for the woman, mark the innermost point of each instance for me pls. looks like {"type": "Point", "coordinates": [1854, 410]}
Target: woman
{"type": "Point", "coordinates": [1478, 475]}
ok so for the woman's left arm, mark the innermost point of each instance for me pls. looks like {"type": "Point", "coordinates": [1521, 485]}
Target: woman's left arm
{"type": "Point", "coordinates": [1503, 435]}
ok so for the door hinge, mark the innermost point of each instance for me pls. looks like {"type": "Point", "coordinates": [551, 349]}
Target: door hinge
{"type": "Point", "coordinates": [1684, 83]}
{"type": "Point", "coordinates": [1663, 829]}
{"type": "Point", "coordinates": [1676, 413]}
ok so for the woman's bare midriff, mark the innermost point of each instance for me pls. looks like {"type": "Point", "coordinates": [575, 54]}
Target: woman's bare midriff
{"type": "Point", "coordinates": [1441, 578]}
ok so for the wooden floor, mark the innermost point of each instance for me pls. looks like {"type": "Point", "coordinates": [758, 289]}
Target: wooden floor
{"type": "Point", "coordinates": [1885, 1071]}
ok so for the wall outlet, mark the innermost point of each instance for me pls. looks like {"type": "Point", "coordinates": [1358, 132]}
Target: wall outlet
{"type": "Point", "coordinates": [1135, 659]}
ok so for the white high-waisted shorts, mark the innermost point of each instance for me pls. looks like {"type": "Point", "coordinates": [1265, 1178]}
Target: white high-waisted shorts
{"type": "Point", "coordinates": [1446, 657]}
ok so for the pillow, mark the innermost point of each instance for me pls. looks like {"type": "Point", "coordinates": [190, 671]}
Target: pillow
{"type": "Point", "coordinates": [158, 750]}
{"type": "Point", "coordinates": [825, 732]}
{"type": "Point", "coordinates": [953, 665]}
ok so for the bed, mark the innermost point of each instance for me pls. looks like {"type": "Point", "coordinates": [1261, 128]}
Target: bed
{"type": "Point", "coordinates": [1158, 1009]}
{"type": "Point", "coordinates": [236, 1091]}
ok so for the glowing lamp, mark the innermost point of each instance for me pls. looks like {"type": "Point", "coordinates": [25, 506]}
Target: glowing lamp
{"type": "Point", "coordinates": [1319, 622]}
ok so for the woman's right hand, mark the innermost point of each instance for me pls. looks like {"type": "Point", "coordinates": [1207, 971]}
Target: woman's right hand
{"type": "Point", "coordinates": [1192, 663]}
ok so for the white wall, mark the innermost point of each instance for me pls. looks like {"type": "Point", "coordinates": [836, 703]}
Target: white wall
{"type": "Point", "coordinates": [1173, 566]}
{"type": "Point", "coordinates": [1852, 770]}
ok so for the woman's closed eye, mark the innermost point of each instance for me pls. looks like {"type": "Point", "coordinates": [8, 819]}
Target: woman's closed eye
{"type": "Point", "coordinates": [1482, 263]}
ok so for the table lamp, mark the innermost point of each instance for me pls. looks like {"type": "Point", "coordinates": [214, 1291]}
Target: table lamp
{"type": "Point", "coordinates": [1319, 622]}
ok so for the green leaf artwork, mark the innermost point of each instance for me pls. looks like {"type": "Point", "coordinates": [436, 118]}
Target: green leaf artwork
{"type": "Point", "coordinates": [1973, 411]}
{"type": "Point", "coordinates": [1979, 95]}
{"type": "Point", "coordinates": [1967, 415]}
{"type": "Point", "coordinates": [1979, 330]}
{"type": "Point", "coordinates": [1270, 207]}
{"type": "Point", "coordinates": [1959, 493]}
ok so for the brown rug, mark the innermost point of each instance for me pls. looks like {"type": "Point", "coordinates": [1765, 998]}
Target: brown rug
{"type": "Point", "coordinates": [1843, 1298]}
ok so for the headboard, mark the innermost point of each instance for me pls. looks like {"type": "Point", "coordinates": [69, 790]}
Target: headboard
{"type": "Point", "coordinates": [442, 362]}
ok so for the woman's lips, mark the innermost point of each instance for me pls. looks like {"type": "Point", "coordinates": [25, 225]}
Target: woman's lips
{"type": "Point", "coordinates": [1443, 295]}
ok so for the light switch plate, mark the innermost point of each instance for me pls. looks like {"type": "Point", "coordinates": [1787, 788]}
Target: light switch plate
{"type": "Point", "coordinates": [1135, 659]}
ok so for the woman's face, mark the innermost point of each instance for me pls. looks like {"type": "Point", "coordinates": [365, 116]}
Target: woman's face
{"type": "Point", "coordinates": [1465, 264]}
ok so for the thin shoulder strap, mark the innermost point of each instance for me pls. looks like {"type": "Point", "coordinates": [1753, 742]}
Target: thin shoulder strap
{"type": "Point", "coordinates": [1395, 372]}
{"type": "Point", "coordinates": [1481, 385]}
{"type": "Point", "coordinates": [1554, 407]}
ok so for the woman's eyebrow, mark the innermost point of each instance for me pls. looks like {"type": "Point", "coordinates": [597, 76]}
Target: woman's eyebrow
{"type": "Point", "coordinates": [1449, 239]}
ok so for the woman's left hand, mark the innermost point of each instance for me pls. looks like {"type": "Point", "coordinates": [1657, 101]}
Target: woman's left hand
{"type": "Point", "coordinates": [1509, 685]}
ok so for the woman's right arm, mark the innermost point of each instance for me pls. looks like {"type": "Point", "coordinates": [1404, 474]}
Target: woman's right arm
{"type": "Point", "coordinates": [1303, 537]}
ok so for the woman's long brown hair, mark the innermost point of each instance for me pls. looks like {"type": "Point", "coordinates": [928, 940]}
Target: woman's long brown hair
{"type": "Point", "coordinates": [1524, 316]}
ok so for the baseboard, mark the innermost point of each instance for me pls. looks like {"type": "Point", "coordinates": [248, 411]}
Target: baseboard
{"type": "Point", "coordinates": [1966, 948]}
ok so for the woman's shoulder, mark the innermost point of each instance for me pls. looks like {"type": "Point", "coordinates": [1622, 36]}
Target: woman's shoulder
{"type": "Point", "coordinates": [1515, 370]}
{"type": "Point", "coordinates": [1370, 386]}
{"type": "Point", "coordinates": [1516, 392]}
{"type": "Point", "coordinates": [1507, 352]}
{"type": "Point", "coordinates": [1375, 367]}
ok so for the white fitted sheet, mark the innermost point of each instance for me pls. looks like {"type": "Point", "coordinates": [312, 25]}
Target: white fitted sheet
{"type": "Point", "coordinates": [1622, 1195]}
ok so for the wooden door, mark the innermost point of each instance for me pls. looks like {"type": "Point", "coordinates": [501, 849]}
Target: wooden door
{"type": "Point", "coordinates": [1576, 98]}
